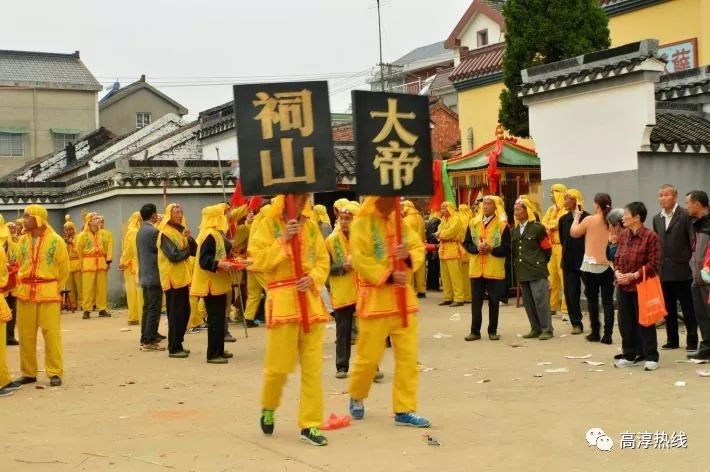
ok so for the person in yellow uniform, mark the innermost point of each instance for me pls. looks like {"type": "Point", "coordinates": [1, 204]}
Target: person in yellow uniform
{"type": "Point", "coordinates": [551, 221]}
{"type": "Point", "coordinates": [488, 242]}
{"type": "Point", "coordinates": [129, 266]}
{"type": "Point", "coordinates": [286, 340]}
{"type": "Point", "coordinates": [255, 280]}
{"type": "Point", "coordinates": [175, 246]}
{"type": "Point", "coordinates": [7, 386]}
{"type": "Point", "coordinates": [8, 245]}
{"type": "Point", "coordinates": [240, 239]}
{"type": "Point", "coordinates": [74, 281]}
{"type": "Point", "coordinates": [92, 244]}
{"type": "Point", "coordinates": [449, 237]}
{"type": "Point", "coordinates": [414, 218]}
{"type": "Point", "coordinates": [43, 269]}
{"type": "Point", "coordinates": [108, 237]}
{"type": "Point", "coordinates": [466, 215]}
{"type": "Point", "coordinates": [374, 252]}
{"type": "Point", "coordinates": [343, 289]}
{"type": "Point", "coordinates": [212, 278]}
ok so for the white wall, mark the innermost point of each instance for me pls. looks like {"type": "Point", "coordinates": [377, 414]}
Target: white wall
{"type": "Point", "coordinates": [469, 36]}
{"type": "Point", "coordinates": [227, 144]}
{"type": "Point", "coordinates": [597, 132]}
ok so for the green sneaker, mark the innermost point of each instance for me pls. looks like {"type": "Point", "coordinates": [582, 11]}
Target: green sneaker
{"type": "Point", "coordinates": [532, 334]}
{"type": "Point", "coordinates": [313, 436]}
{"type": "Point", "coordinates": [267, 422]}
{"type": "Point", "coordinates": [179, 355]}
{"type": "Point", "coordinates": [545, 335]}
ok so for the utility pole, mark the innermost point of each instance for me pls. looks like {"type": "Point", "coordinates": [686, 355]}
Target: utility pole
{"type": "Point", "coordinates": [382, 65]}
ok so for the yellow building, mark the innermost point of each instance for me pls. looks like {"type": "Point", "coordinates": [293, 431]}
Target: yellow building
{"type": "Point", "coordinates": [681, 26]}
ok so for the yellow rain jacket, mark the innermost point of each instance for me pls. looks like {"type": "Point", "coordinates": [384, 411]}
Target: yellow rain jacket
{"type": "Point", "coordinates": [173, 275]}
{"type": "Point", "coordinates": [44, 266]}
{"type": "Point", "coordinates": [450, 234]}
{"type": "Point", "coordinates": [94, 249]}
{"type": "Point", "coordinates": [343, 284]}
{"type": "Point", "coordinates": [372, 244]}
{"type": "Point", "coordinates": [272, 255]}
{"type": "Point", "coordinates": [555, 212]}
{"type": "Point", "coordinates": [488, 265]}
{"type": "Point", "coordinates": [204, 283]}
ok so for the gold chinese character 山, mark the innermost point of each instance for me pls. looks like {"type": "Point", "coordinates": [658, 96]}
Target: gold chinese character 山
{"type": "Point", "coordinates": [290, 110]}
{"type": "Point", "coordinates": [267, 173]}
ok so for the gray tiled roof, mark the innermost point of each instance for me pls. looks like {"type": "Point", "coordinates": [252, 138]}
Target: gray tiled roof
{"type": "Point", "coordinates": [685, 130]}
{"type": "Point", "coordinates": [429, 51]}
{"type": "Point", "coordinates": [684, 84]}
{"type": "Point", "coordinates": [46, 70]}
{"type": "Point", "coordinates": [345, 162]}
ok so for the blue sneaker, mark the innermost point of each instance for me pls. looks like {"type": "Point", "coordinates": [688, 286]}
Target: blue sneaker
{"type": "Point", "coordinates": [410, 419]}
{"type": "Point", "coordinates": [357, 409]}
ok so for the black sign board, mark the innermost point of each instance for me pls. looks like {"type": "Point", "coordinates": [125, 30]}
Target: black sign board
{"type": "Point", "coordinates": [393, 144]}
{"type": "Point", "coordinates": [284, 137]}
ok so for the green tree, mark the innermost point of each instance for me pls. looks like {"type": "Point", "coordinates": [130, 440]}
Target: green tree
{"type": "Point", "coordinates": [541, 32]}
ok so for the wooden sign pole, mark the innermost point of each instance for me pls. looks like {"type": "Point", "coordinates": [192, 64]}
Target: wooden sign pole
{"type": "Point", "coordinates": [292, 213]}
{"type": "Point", "coordinates": [401, 291]}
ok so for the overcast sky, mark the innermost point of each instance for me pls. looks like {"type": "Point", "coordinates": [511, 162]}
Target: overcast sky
{"type": "Point", "coordinates": [178, 43]}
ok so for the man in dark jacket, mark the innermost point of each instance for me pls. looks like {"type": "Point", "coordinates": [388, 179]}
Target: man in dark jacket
{"type": "Point", "coordinates": [572, 256]}
{"type": "Point", "coordinates": [147, 246]}
{"type": "Point", "coordinates": [432, 257]}
{"type": "Point", "coordinates": [531, 253]}
{"type": "Point", "coordinates": [699, 209]}
{"type": "Point", "coordinates": [674, 227]}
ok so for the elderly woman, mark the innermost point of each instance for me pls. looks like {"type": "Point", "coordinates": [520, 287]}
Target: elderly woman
{"type": "Point", "coordinates": [637, 256]}
{"type": "Point", "coordinates": [212, 278]}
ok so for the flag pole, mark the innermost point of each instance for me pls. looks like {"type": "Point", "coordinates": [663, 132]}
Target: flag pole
{"type": "Point", "coordinates": [221, 175]}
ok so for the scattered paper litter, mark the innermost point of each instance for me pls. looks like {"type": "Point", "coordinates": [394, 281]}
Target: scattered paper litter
{"type": "Point", "coordinates": [594, 363]}
{"type": "Point", "coordinates": [680, 383]}
{"type": "Point", "coordinates": [517, 345]}
{"type": "Point", "coordinates": [579, 357]}
{"type": "Point", "coordinates": [544, 363]}
{"type": "Point", "coordinates": [441, 336]}
{"type": "Point", "coordinates": [482, 381]}
{"type": "Point", "coordinates": [327, 356]}
{"type": "Point", "coordinates": [468, 375]}
{"type": "Point", "coordinates": [330, 326]}
{"type": "Point", "coordinates": [703, 373]}
{"type": "Point", "coordinates": [537, 375]}
{"type": "Point", "coordinates": [421, 368]}
{"type": "Point", "coordinates": [563, 335]}
{"type": "Point", "coordinates": [455, 317]}
{"type": "Point", "coordinates": [125, 329]}
{"type": "Point", "coordinates": [595, 370]}
{"type": "Point", "coordinates": [519, 335]}
{"type": "Point", "coordinates": [559, 370]}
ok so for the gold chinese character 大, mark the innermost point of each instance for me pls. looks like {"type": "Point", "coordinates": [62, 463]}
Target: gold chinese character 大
{"type": "Point", "coordinates": [289, 170]}
{"type": "Point", "coordinates": [396, 165]}
{"type": "Point", "coordinates": [289, 110]}
{"type": "Point", "coordinates": [392, 117]}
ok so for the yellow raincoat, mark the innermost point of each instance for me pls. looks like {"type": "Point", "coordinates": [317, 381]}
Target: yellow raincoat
{"type": "Point", "coordinates": [372, 244]}
{"type": "Point", "coordinates": [551, 222]}
{"type": "Point", "coordinates": [5, 314]}
{"type": "Point", "coordinates": [286, 341]}
{"type": "Point", "coordinates": [255, 280]}
{"type": "Point", "coordinates": [414, 219]}
{"type": "Point", "coordinates": [466, 215]}
{"type": "Point", "coordinates": [449, 236]}
{"type": "Point", "coordinates": [44, 268]}
{"type": "Point", "coordinates": [129, 263]}
{"type": "Point", "coordinates": [94, 251]}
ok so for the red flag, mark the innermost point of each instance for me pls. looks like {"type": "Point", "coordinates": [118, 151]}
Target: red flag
{"type": "Point", "coordinates": [254, 203]}
{"type": "Point", "coordinates": [438, 198]}
{"type": "Point", "coordinates": [237, 197]}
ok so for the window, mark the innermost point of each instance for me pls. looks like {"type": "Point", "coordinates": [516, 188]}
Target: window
{"type": "Point", "coordinates": [11, 144]}
{"type": "Point", "coordinates": [61, 140]}
{"type": "Point", "coordinates": [142, 119]}
{"type": "Point", "coordinates": [482, 38]}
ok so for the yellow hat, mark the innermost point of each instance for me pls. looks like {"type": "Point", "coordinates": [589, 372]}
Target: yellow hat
{"type": "Point", "coordinates": [577, 195]}
{"type": "Point", "coordinates": [528, 205]}
{"type": "Point", "coordinates": [320, 214]}
{"type": "Point", "coordinates": [352, 208]}
{"type": "Point", "coordinates": [40, 215]}
{"type": "Point", "coordinates": [239, 212]}
{"type": "Point", "coordinates": [558, 194]}
{"type": "Point", "coordinates": [135, 221]}
{"type": "Point", "coordinates": [213, 217]}
{"type": "Point", "coordinates": [340, 203]}
{"type": "Point", "coordinates": [278, 204]}
{"type": "Point", "coordinates": [68, 223]}
{"type": "Point", "coordinates": [4, 232]}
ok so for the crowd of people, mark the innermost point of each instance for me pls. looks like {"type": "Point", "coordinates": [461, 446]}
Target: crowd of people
{"type": "Point", "coordinates": [358, 272]}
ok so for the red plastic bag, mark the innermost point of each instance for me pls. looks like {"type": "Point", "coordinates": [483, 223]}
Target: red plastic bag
{"type": "Point", "coordinates": [336, 422]}
{"type": "Point", "coordinates": [652, 307]}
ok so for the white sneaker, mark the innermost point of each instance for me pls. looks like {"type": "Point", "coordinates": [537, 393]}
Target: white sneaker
{"type": "Point", "coordinates": [565, 318]}
{"type": "Point", "coordinates": [623, 363]}
{"type": "Point", "coordinates": [650, 365]}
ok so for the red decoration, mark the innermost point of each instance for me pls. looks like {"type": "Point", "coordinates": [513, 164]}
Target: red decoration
{"type": "Point", "coordinates": [493, 172]}
{"type": "Point", "coordinates": [438, 198]}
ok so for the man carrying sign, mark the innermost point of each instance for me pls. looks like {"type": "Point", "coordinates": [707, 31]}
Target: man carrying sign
{"type": "Point", "coordinates": [394, 160]}
{"type": "Point", "coordinates": [375, 257]}
{"type": "Point", "coordinates": [287, 338]}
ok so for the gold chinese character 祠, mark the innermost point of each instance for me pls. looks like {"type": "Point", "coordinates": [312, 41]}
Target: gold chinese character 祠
{"type": "Point", "coordinates": [397, 162]}
{"type": "Point", "coordinates": [290, 110]}
{"type": "Point", "coordinates": [392, 122]}
{"type": "Point", "coordinates": [288, 166]}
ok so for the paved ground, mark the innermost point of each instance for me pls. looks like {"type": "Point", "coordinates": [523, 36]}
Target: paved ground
{"type": "Point", "coordinates": [126, 410]}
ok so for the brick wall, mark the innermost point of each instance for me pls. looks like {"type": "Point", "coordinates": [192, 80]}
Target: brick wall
{"type": "Point", "coordinates": [343, 133]}
{"type": "Point", "coordinates": [445, 134]}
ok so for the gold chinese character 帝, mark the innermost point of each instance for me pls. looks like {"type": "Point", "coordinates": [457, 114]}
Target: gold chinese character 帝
{"type": "Point", "coordinates": [396, 165]}
{"type": "Point", "coordinates": [392, 122]}
{"type": "Point", "coordinates": [290, 110]}
{"type": "Point", "coordinates": [267, 174]}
